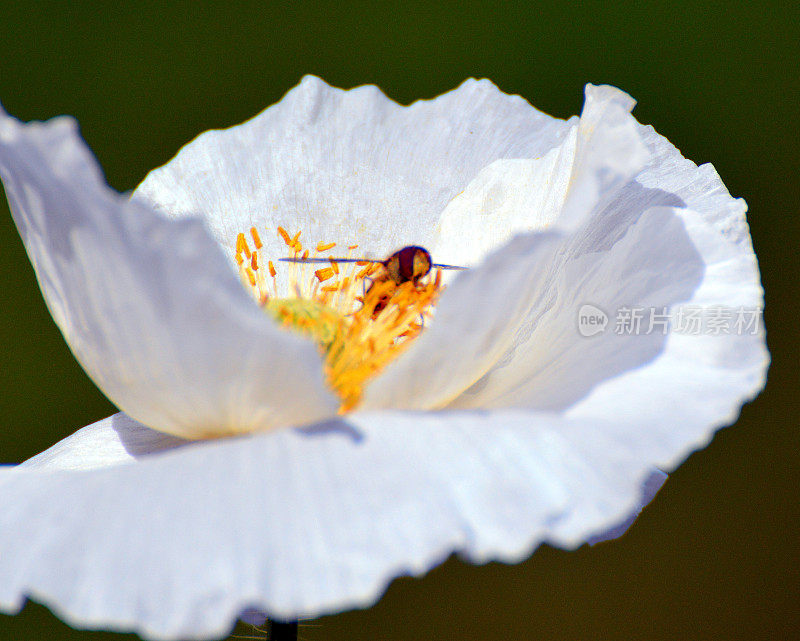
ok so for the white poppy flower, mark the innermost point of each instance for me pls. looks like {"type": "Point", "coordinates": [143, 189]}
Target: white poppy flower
{"type": "Point", "coordinates": [498, 427]}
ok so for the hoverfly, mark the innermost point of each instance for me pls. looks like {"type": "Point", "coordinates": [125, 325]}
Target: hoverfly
{"type": "Point", "coordinates": [408, 264]}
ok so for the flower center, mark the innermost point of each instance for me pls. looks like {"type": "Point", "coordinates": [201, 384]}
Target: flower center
{"type": "Point", "coordinates": [361, 313]}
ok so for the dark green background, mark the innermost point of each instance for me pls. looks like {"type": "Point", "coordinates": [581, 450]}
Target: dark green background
{"type": "Point", "coordinates": [716, 555]}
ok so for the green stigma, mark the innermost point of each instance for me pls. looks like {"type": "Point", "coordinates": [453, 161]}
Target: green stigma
{"type": "Point", "coordinates": [307, 317]}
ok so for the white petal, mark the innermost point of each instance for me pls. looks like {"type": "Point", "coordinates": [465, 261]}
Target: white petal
{"type": "Point", "coordinates": [697, 382]}
{"type": "Point", "coordinates": [506, 198]}
{"type": "Point", "coordinates": [348, 166]}
{"type": "Point", "coordinates": [114, 440]}
{"type": "Point", "coordinates": [149, 306]}
{"type": "Point", "coordinates": [303, 522]}
{"type": "Point", "coordinates": [609, 153]}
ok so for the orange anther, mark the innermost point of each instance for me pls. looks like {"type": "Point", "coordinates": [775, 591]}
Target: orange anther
{"type": "Point", "coordinates": [321, 247]}
{"type": "Point", "coordinates": [324, 274]}
{"type": "Point", "coordinates": [256, 239]}
{"type": "Point", "coordinates": [334, 266]}
{"type": "Point", "coordinates": [254, 261]}
{"type": "Point", "coordinates": [272, 271]}
{"type": "Point", "coordinates": [295, 243]}
{"type": "Point", "coordinates": [239, 259]}
{"type": "Point", "coordinates": [305, 254]}
{"type": "Point", "coordinates": [285, 235]}
{"type": "Point", "coordinates": [352, 247]}
{"type": "Point", "coordinates": [241, 246]}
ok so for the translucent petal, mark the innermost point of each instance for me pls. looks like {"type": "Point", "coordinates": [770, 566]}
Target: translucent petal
{"type": "Point", "coordinates": [303, 522]}
{"type": "Point", "coordinates": [149, 306]}
{"type": "Point", "coordinates": [599, 155]}
{"type": "Point", "coordinates": [348, 166]}
{"type": "Point", "coordinates": [507, 198]}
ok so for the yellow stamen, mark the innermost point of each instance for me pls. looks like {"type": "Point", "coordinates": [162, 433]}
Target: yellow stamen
{"type": "Point", "coordinates": [256, 238]}
{"type": "Point", "coordinates": [241, 246]}
{"type": "Point", "coordinates": [359, 322]}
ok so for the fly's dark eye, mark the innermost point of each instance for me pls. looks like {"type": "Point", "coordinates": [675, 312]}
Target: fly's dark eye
{"type": "Point", "coordinates": [406, 260]}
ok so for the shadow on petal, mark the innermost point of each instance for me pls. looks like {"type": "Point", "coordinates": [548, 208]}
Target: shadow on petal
{"type": "Point", "coordinates": [139, 440]}
{"type": "Point", "coordinates": [607, 228]}
{"type": "Point", "coordinates": [332, 427]}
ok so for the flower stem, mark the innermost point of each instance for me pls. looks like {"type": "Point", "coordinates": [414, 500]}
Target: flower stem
{"type": "Point", "coordinates": [282, 631]}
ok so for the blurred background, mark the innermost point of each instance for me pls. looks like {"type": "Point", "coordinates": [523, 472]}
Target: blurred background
{"type": "Point", "coordinates": [716, 555]}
